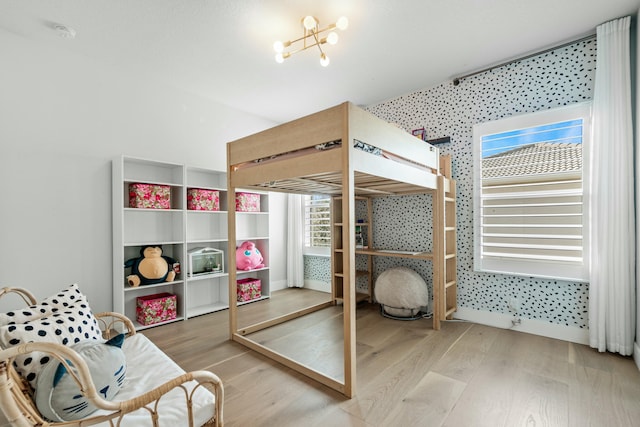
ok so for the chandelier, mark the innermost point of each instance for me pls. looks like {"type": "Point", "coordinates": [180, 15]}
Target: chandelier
{"type": "Point", "coordinates": [311, 36]}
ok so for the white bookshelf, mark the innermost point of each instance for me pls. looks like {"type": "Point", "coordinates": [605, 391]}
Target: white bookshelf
{"type": "Point", "coordinates": [179, 230]}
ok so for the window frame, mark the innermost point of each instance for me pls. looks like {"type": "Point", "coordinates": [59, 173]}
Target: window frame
{"type": "Point", "coordinates": [549, 269]}
{"type": "Point", "coordinates": [324, 251]}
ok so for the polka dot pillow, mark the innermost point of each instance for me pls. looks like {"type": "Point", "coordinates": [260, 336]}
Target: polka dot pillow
{"type": "Point", "coordinates": [67, 326]}
{"type": "Point", "coordinates": [64, 298]}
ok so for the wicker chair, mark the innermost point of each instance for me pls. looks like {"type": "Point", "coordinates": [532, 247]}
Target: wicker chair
{"type": "Point", "coordinates": [17, 399]}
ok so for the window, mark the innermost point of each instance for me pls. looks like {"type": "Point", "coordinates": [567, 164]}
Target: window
{"type": "Point", "coordinates": [317, 226]}
{"type": "Point", "coordinates": [529, 207]}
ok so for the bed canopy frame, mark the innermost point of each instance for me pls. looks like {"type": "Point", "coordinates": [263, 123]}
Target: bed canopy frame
{"type": "Point", "coordinates": [321, 154]}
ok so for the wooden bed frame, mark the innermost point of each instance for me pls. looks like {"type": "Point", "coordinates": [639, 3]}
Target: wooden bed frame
{"type": "Point", "coordinates": [285, 159]}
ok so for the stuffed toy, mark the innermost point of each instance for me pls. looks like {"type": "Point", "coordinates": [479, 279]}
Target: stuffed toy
{"type": "Point", "coordinates": [151, 267]}
{"type": "Point", "coordinates": [248, 257]}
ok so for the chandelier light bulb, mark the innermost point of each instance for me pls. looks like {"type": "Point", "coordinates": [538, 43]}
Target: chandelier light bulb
{"type": "Point", "coordinates": [279, 58]}
{"type": "Point", "coordinates": [309, 22]}
{"type": "Point", "coordinates": [278, 46]}
{"type": "Point", "coordinates": [342, 23]}
{"type": "Point", "coordinates": [332, 37]}
{"type": "Point", "coordinates": [324, 60]}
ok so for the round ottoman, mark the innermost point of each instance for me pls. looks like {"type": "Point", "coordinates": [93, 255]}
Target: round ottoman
{"type": "Point", "coordinates": [401, 293]}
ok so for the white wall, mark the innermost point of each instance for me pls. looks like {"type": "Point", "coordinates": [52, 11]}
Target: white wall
{"type": "Point", "coordinates": [63, 119]}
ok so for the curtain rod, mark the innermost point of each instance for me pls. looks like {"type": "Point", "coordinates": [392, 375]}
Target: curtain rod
{"type": "Point", "coordinates": [456, 80]}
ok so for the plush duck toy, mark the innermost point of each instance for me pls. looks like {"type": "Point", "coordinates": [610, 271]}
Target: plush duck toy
{"type": "Point", "coordinates": [248, 257]}
{"type": "Point", "coordinates": [150, 267]}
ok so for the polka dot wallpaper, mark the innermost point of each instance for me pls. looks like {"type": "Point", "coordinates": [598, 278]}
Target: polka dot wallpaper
{"type": "Point", "coordinates": [553, 79]}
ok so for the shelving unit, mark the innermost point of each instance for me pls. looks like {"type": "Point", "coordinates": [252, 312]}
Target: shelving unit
{"type": "Point", "coordinates": [134, 228]}
{"type": "Point", "coordinates": [366, 230]}
{"type": "Point", "coordinates": [179, 230]}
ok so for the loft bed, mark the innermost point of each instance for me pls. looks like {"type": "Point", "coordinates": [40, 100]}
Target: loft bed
{"type": "Point", "coordinates": [344, 152]}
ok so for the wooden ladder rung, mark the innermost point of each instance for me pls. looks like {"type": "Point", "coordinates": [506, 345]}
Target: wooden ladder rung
{"type": "Point", "coordinates": [449, 199]}
{"type": "Point", "coordinates": [451, 311]}
{"type": "Point", "coordinates": [449, 256]}
{"type": "Point", "coordinates": [450, 284]}
{"type": "Point", "coordinates": [450, 229]}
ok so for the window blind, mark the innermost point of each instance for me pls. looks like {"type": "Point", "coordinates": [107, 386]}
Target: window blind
{"type": "Point", "coordinates": [317, 215]}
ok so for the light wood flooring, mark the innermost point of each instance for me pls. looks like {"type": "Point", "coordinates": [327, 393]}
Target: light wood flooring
{"type": "Point", "coordinates": [407, 373]}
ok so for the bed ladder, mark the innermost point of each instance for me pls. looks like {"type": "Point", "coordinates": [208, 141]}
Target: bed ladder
{"type": "Point", "coordinates": [444, 245]}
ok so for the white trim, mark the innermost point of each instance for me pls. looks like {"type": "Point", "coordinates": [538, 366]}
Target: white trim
{"type": "Point", "coordinates": [530, 326]}
{"type": "Point", "coordinates": [317, 251]}
{"type": "Point", "coordinates": [317, 285]}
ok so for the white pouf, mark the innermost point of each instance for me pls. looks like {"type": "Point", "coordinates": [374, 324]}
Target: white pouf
{"type": "Point", "coordinates": [402, 292]}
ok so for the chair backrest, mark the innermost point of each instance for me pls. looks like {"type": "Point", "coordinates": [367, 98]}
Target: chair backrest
{"type": "Point", "coordinates": [16, 395]}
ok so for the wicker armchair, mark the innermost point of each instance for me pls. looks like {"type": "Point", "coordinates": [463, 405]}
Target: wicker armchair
{"type": "Point", "coordinates": [17, 398]}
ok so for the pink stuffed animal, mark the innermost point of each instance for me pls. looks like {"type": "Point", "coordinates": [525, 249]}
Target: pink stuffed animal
{"type": "Point", "coordinates": [248, 257]}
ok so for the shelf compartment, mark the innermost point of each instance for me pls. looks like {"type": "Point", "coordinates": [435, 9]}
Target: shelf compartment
{"type": "Point", "coordinates": [251, 224]}
{"type": "Point", "coordinates": [176, 288]}
{"type": "Point", "coordinates": [207, 225]}
{"type": "Point", "coordinates": [149, 171]}
{"type": "Point", "coordinates": [263, 246]}
{"type": "Point", "coordinates": [359, 297]}
{"type": "Point", "coordinates": [207, 293]}
{"type": "Point", "coordinates": [206, 178]}
{"type": "Point", "coordinates": [152, 225]}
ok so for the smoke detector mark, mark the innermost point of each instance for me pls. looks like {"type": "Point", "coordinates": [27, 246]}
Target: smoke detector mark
{"type": "Point", "coordinates": [64, 31]}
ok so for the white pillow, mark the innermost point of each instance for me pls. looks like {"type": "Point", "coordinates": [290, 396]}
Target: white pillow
{"type": "Point", "coordinates": [67, 326]}
{"type": "Point", "coordinates": [50, 305]}
{"type": "Point", "coordinates": [57, 395]}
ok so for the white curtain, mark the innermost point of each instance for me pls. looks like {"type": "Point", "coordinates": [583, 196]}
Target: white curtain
{"type": "Point", "coordinates": [612, 248]}
{"type": "Point", "coordinates": [295, 241]}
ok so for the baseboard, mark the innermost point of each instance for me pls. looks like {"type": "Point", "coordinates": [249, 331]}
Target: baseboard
{"type": "Point", "coordinates": [636, 354]}
{"type": "Point", "coordinates": [530, 326]}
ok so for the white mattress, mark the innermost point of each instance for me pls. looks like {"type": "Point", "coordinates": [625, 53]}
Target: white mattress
{"type": "Point", "coordinates": [147, 368]}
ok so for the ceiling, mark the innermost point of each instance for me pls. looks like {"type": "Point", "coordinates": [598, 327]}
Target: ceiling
{"type": "Point", "coordinates": [222, 49]}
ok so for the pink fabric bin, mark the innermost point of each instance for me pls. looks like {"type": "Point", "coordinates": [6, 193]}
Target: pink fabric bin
{"type": "Point", "coordinates": [149, 196]}
{"type": "Point", "coordinates": [156, 308]}
{"type": "Point", "coordinates": [247, 202]}
{"type": "Point", "coordinates": [249, 289]}
{"type": "Point", "coordinates": [199, 199]}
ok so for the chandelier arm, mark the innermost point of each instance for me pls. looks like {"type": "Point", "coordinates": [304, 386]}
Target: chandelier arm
{"type": "Point", "coordinates": [315, 36]}
{"type": "Point", "coordinates": [311, 33]}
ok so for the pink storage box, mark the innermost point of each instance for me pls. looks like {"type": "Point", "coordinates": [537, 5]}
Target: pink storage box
{"type": "Point", "coordinates": [199, 199]}
{"type": "Point", "coordinates": [156, 308]}
{"type": "Point", "coordinates": [249, 289]}
{"type": "Point", "coordinates": [247, 202]}
{"type": "Point", "coordinates": [149, 196]}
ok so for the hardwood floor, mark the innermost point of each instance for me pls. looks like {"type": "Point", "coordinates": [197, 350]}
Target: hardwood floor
{"type": "Point", "coordinates": [407, 373]}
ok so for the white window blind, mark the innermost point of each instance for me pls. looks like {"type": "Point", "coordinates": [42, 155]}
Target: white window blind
{"type": "Point", "coordinates": [530, 214]}
{"type": "Point", "coordinates": [317, 217]}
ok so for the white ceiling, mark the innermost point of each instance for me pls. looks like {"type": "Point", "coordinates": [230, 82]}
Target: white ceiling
{"type": "Point", "coordinates": [222, 49]}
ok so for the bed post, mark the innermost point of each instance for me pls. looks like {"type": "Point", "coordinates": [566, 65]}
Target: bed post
{"type": "Point", "coordinates": [444, 245]}
{"type": "Point", "coordinates": [349, 258]}
{"type": "Point", "coordinates": [231, 250]}
{"type": "Point", "coordinates": [438, 253]}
